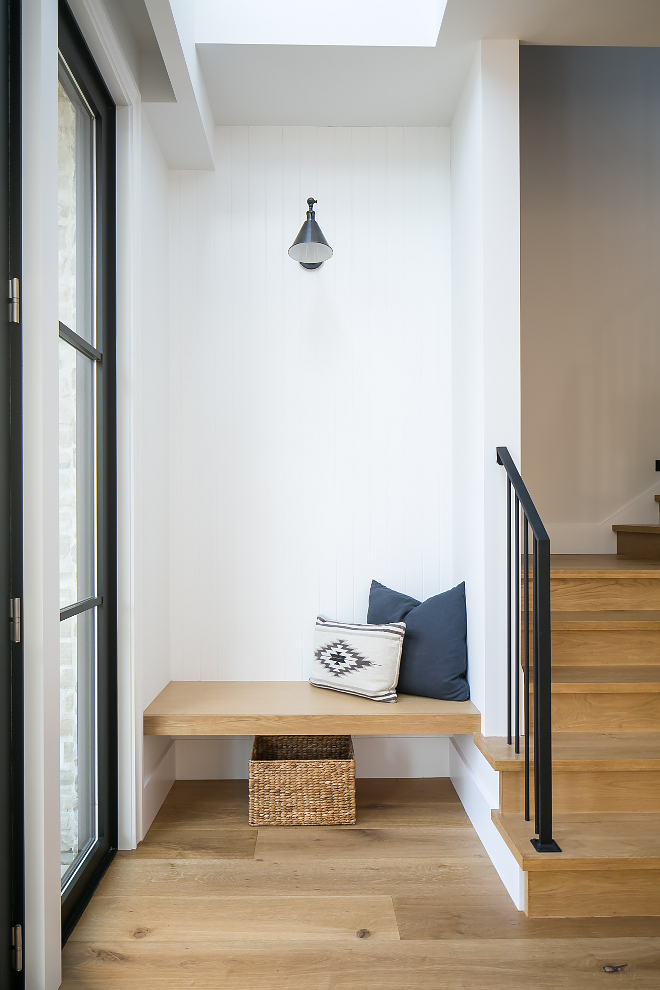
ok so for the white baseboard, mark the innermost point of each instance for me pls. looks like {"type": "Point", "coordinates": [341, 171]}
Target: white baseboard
{"type": "Point", "coordinates": [227, 757]}
{"type": "Point", "coordinates": [476, 784]}
{"type": "Point", "coordinates": [158, 776]}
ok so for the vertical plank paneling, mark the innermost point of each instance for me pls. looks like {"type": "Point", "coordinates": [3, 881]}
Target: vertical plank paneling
{"type": "Point", "coordinates": [274, 632]}
{"type": "Point", "coordinates": [206, 423]}
{"type": "Point", "coordinates": [222, 459]}
{"type": "Point", "coordinates": [353, 252]}
{"type": "Point", "coordinates": [370, 205]}
{"type": "Point", "coordinates": [310, 411]}
{"type": "Point", "coordinates": [435, 271]}
{"type": "Point", "coordinates": [240, 347]}
{"type": "Point", "coordinates": [256, 494]}
{"type": "Point", "coordinates": [400, 349]}
{"type": "Point", "coordinates": [291, 327]}
{"type": "Point", "coordinates": [316, 443]}
{"type": "Point", "coordinates": [187, 326]}
{"type": "Point", "coordinates": [417, 298]}
{"type": "Point", "coordinates": [329, 477]}
{"type": "Point", "coordinates": [175, 507]}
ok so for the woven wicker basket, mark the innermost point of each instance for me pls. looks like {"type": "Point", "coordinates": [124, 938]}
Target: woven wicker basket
{"type": "Point", "coordinates": [302, 780]}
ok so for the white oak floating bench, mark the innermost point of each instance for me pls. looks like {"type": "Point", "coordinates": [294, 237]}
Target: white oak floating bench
{"type": "Point", "coordinates": [289, 708]}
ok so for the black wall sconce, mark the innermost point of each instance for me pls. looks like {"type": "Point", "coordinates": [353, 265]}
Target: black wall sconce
{"type": "Point", "coordinates": [310, 248]}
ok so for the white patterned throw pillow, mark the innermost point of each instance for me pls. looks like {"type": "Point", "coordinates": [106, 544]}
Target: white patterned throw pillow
{"type": "Point", "coordinates": [355, 659]}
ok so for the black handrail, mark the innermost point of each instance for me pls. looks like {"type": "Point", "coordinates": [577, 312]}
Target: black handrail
{"type": "Point", "coordinates": [541, 649]}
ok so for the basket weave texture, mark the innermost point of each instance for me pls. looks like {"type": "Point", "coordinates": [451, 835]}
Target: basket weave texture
{"type": "Point", "coordinates": [302, 780]}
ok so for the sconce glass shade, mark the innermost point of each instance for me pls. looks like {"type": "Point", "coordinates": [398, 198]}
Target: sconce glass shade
{"type": "Point", "coordinates": [310, 247]}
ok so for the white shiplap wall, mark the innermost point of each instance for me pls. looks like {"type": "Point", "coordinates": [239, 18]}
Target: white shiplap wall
{"type": "Point", "coordinates": [310, 413]}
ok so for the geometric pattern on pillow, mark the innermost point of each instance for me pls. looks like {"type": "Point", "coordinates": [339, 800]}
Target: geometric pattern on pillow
{"type": "Point", "coordinates": [340, 658]}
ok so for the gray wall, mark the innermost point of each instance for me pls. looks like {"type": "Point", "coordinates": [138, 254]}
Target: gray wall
{"type": "Point", "coordinates": [590, 270]}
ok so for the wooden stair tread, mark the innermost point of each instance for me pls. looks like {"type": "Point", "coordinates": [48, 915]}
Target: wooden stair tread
{"type": "Point", "coordinates": [641, 528]}
{"type": "Point", "coordinates": [587, 842]}
{"type": "Point", "coordinates": [626, 679]}
{"type": "Point", "coordinates": [601, 565]}
{"type": "Point", "coordinates": [580, 751]}
{"type": "Point", "coordinates": [609, 620]}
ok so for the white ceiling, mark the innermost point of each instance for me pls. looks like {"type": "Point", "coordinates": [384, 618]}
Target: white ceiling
{"type": "Point", "coordinates": [367, 85]}
{"type": "Point", "coordinates": [264, 84]}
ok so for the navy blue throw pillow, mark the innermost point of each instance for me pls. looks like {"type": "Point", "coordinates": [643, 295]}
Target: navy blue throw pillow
{"type": "Point", "coordinates": [434, 656]}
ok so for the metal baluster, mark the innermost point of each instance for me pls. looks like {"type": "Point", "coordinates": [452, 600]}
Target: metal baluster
{"type": "Point", "coordinates": [526, 654]}
{"type": "Point", "coordinates": [517, 621]}
{"type": "Point", "coordinates": [535, 662]}
{"type": "Point", "coordinates": [508, 609]}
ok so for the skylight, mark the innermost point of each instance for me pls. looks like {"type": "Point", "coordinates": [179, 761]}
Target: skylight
{"type": "Point", "coordinates": [377, 23]}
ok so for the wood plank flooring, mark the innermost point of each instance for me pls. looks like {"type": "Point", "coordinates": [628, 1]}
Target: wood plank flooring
{"type": "Point", "coordinates": [404, 900]}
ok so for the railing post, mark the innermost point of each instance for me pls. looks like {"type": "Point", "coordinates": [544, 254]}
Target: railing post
{"type": "Point", "coordinates": [516, 619]}
{"type": "Point", "coordinates": [526, 654]}
{"type": "Point", "coordinates": [543, 713]}
{"type": "Point", "coordinates": [535, 675]}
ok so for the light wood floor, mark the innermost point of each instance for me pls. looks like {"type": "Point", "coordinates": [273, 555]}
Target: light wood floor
{"type": "Point", "coordinates": [405, 900]}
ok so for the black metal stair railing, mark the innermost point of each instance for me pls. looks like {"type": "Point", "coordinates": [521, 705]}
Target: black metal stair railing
{"type": "Point", "coordinates": [535, 620]}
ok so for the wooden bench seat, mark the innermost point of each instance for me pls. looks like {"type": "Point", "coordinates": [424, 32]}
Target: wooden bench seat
{"type": "Point", "coordinates": [235, 708]}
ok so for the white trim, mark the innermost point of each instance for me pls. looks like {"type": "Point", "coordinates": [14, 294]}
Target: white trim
{"type": "Point", "coordinates": [129, 177]}
{"type": "Point", "coordinates": [477, 787]}
{"type": "Point", "coordinates": [40, 496]}
{"type": "Point", "coordinates": [184, 129]}
{"type": "Point", "coordinates": [99, 34]}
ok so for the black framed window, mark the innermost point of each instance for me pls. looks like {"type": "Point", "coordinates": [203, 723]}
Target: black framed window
{"type": "Point", "coordinates": [87, 459]}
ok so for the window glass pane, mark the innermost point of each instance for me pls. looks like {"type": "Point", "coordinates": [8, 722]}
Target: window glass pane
{"type": "Point", "coordinates": [77, 476]}
{"type": "Point", "coordinates": [75, 209]}
{"type": "Point", "coordinates": [78, 791]}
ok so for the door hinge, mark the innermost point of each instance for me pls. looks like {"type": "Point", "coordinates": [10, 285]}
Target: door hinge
{"type": "Point", "coordinates": [14, 300]}
{"type": "Point", "coordinates": [17, 948]}
{"type": "Point", "coordinates": [15, 619]}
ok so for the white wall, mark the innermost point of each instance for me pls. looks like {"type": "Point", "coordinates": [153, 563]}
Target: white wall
{"type": "Point", "coordinates": [375, 756]}
{"type": "Point", "coordinates": [590, 133]}
{"type": "Point", "coordinates": [310, 412]}
{"type": "Point", "coordinates": [486, 402]}
{"type": "Point", "coordinates": [486, 349]}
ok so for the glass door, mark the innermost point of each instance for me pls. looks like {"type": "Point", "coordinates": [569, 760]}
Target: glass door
{"type": "Point", "coordinates": [88, 743]}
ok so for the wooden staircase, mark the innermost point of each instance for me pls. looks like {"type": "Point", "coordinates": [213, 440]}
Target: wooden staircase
{"type": "Point", "coordinates": [606, 746]}
{"type": "Point", "coordinates": [638, 541]}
